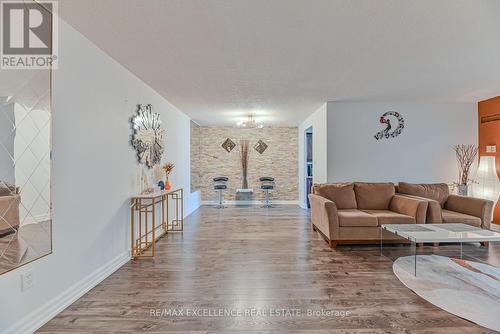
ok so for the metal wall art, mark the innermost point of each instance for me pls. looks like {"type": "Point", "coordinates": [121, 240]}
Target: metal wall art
{"type": "Point", "coordinates": [228, 145]}
{"type": "Point", "coordinates": [149, 136]}
{"type": "Point", "coordinates": [260, 146]}
{"type": "Point", "coordinates": [387, 133]}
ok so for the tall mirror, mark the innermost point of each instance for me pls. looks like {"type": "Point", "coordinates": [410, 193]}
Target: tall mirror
{"type": "Point", "coordinates": [25, 167]}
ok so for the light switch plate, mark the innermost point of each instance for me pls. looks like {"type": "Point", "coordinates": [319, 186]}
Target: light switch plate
{"type": "Point", "coordinates": [27, 280]}
{"type": "Point", "coordinates": [491, 149]}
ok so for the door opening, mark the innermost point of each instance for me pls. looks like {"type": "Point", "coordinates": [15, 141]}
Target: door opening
{"type": "Point", "coordinates": [309, 163]}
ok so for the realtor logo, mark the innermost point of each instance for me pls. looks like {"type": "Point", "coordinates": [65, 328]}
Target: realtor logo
{"type": "Point", "coordinates": [29, 34]}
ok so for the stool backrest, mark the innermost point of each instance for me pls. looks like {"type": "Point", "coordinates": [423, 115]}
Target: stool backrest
{"type": "Point", "coordinates": [266, 179]}
{"type": "Point", "coordinates": [221, 182]}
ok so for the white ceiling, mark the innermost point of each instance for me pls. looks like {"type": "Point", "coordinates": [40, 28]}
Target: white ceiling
{"type": "Point", "coordinates": [219, 60]}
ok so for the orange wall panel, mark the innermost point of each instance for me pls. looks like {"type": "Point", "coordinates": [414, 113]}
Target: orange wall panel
{"type": "Point", "coordinates": [489, 134]}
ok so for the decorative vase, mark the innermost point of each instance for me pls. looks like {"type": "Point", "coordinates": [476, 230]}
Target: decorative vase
{"type": "Point", "coordinates": [168, 185]}
{"type": "Point", "coordinates": [463, 189]}
{"type": "Point", "coordinates": [244, 180]}
{"type": "Point", "coordinates": [244, 163]}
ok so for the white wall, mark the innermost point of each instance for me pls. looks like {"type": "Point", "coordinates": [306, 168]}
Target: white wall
{"type": "Point", "coordinates": [94, 173]}
{"type": "Point", "coordinates": [422, 153]}
{"type": "Point", "coordinates": [318, 121]}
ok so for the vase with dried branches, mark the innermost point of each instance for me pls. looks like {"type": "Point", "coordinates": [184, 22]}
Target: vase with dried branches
{"type": "Point", "coordinates": [168, 168]}
{"type": "Point", "coordinates": [244, 162]}
{"type": "Point", "coordinates": [466, 156]}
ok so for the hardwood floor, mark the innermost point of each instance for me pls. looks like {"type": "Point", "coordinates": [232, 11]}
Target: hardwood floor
{"type": "Point", "coordinates": [238, 259]}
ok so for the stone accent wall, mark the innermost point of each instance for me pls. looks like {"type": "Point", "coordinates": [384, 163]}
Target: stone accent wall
{"type": "Point", "coordinates": [280, 160]}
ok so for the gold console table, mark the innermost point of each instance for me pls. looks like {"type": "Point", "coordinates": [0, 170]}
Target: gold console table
{"type": "Point", "coordinates": [147, 231]}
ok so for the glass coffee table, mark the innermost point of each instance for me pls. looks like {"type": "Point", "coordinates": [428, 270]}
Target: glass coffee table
{"type": "Point", "coordinates": [437, 233]}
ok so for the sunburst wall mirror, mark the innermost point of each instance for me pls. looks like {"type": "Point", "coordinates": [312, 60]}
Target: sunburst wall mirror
{"type": "Point", "coordinates": [148, 138]}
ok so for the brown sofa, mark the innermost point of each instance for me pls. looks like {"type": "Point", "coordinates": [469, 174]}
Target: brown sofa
{"type": "Point", "coordinates": [446, 208]}
{"type": "Point", "coordinates": [351, 213]}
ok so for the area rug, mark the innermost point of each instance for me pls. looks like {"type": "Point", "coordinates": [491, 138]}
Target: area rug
{"type": "Point", "coordinates": [467, 289]}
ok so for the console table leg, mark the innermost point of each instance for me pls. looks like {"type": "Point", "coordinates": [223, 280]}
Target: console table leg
{"type": "Point", "coordinates": [139, 248]}
{"type": "Point", "coordinates": [415, 257]}
{"type": "Point", "coordinates": [132, 214]}
{"type": "Point", "coordinates": [153, 228]}
{"type": "Point", "coordinates": [381, 241]}
{"type": "Point", "coordinates": [182, 209]}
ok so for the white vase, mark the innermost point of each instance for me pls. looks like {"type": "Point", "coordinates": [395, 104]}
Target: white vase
{"type": "Point", "coordinates": [463, 189]}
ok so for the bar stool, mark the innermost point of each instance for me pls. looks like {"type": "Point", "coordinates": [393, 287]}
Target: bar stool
{"type": "Point", "coordinates": [267, 185]}
{"type": "Point", "coordinates": [220, 185]}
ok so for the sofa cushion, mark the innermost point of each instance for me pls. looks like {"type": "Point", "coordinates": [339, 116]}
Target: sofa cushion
{"type": "Point", "coordinates": [342, 194]}
{"type": "Point", "coordinates": [374, 196]}
{"type": "Point", "coordinates": [436, 191]}
{"type": "Point", "coordinates": [457, 217]}
{"type": "Point", "coordinates": [390, 217]}
{"type": "Point", "coordinates": [356, 218]}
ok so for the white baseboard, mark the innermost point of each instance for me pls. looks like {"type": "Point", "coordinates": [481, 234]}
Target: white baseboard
{"type": "Point", "coordinates": [36, 319]}
{"type": "Point", "coordinates": [253, 202]}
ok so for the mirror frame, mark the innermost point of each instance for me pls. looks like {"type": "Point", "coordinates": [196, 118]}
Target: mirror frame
{"type": "Point", "coordinates": [50, 127]}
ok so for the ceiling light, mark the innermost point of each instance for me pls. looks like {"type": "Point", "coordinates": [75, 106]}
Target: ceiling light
{"type": "Point", "coordinates": [251, 122]}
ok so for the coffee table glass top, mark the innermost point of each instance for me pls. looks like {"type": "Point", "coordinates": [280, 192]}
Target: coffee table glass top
{"type": "Point", "coordinates": [441, 232]}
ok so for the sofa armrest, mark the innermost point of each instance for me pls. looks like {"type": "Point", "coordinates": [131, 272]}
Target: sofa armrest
{"type": "Point", "coordinates": [434, 210]}
{"type": "Point", "coordinates": [324, 216]}
{"type": "Point", "coordinates": [414, 207]}
{"type": "Point", "coordinates": [477, 207]}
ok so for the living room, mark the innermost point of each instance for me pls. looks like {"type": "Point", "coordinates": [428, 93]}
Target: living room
{"type": "Point", "coordinates": [249, 166]}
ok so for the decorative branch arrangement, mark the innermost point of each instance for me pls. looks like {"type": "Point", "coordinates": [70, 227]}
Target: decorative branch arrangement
{"type": "Point", "coordinates": [466, 156]}
{"type": "Point", "coordinates": [168, 168]}
{"type": "Point", "coordinates": [244, 162]}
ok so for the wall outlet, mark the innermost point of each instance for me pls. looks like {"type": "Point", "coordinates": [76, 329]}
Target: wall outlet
{"type": "Point", "coordinates": [27, 280]}
{"type": "Point", "coordinates": [491, 149]}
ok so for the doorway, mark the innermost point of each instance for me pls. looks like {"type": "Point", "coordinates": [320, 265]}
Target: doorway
{"type": "Point", "coordinates": [309, 163]}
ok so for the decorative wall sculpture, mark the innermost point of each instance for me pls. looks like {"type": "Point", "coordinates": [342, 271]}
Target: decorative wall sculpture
{"type": "Point", "coordinates": [260, 146]}
{"type": "Point", "coordinates": [228, 145]}
{"type": "Point", "coordinates": [387, 133]}
{"type": "Point", "coordinates": [149, 136]}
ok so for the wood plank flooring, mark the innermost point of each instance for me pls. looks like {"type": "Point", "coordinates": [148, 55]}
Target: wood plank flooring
{"type": "Point", "coordinates": [268, 260]}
